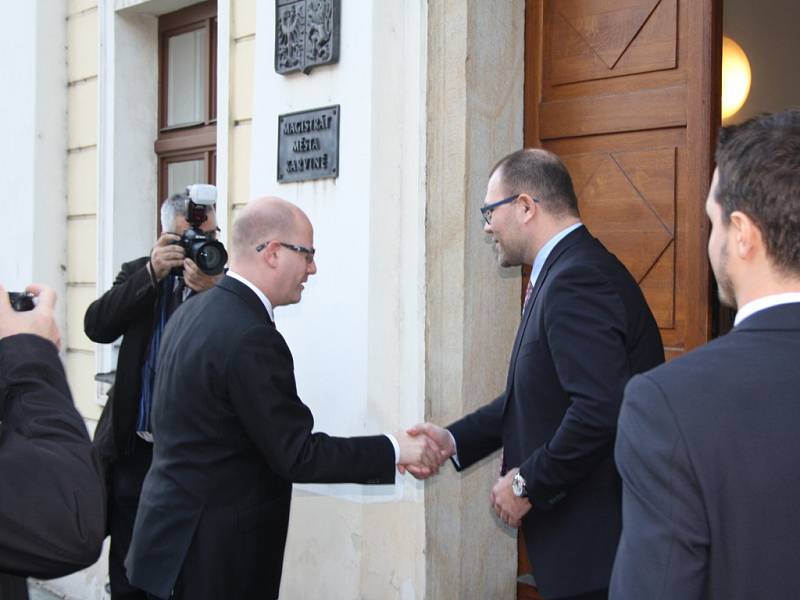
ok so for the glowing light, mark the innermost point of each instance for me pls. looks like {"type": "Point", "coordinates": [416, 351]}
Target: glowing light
{"type": "Point", "coordinates": [735, 77]}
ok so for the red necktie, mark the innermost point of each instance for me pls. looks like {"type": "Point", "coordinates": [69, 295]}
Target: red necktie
{"type": "Point", "coordinates": [528, 292]}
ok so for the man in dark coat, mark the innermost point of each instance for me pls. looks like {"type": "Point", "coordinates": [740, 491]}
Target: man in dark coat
{"type": "Point", "coordinates": [585, 329]}
{"type": "Point", "coordinates": [142, 299]}
{"type": "Point", "coordinates": [231, 434]}
{"type": "Point", "coordinates": [52, 500]}
{"type": "Point", "coordinates": [708, 445]}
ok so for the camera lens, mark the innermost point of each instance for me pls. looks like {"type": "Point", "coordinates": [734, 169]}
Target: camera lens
{"type": "Point", "coordinates": [211, 258]}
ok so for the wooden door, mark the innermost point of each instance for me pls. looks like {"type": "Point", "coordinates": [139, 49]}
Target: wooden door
{"type": "Point", "coordinates": [627, 93]}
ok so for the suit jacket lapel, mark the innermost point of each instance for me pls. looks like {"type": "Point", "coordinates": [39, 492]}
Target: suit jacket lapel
{"type": "Point", "coordinates": [573, 238]}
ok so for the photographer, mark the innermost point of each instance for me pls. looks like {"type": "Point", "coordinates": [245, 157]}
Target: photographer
{"type": "Point", "coordinates": [52, 504]}
{"type": "Point", "coordinates": [144, 295]}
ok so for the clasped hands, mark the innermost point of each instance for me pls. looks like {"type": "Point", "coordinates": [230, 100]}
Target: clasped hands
{"type": "Point", "coordinates": [423, 449]}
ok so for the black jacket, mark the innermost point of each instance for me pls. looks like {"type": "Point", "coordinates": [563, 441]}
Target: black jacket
{"type": "Point", "coordinates": [585, 331]}
{"type": "Point", "coordinates": [231, 436]}
{"type": "Point", "coordinates": [708, 451]}
{"type": "Point", "coordinates": [52, 498]}
{"type": "Point", "coordinates": [128, 309]}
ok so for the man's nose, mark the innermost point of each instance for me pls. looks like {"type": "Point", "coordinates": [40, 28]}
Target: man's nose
{"type": "Point", "coordinates": [312, 267]}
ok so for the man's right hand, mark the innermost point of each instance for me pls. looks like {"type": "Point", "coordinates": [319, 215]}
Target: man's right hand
{"type": "Point", "coordinates": [441, 437]}
{"type": "Point", "coordinates": [419, 452]}
{"type": "Point", "coordinates": [39, 321]}
{"type": "Point", "coordinates": [166, 255]}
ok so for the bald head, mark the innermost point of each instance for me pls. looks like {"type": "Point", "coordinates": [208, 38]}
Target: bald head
{"type": "Point", "coordinates": [262, 220]}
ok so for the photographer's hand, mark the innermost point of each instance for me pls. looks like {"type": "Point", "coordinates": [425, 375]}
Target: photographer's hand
{"type": "Point", "coordinates": [166, 255]}
{"type": "Point", "coordinates": [39, 321]}
{"type": "Point", "coordinates": [196, 279]}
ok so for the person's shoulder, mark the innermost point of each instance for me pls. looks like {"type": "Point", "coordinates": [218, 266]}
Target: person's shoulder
{"type": "Point", "coordinates": [697, 368]}
{"type": "Point", "coordinates": [135, 264]}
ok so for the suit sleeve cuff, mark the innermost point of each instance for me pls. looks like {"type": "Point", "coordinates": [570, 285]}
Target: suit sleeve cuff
{"type": "Point", "coordinates": [396, 447]}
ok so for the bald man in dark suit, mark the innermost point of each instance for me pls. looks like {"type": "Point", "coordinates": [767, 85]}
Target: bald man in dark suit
{"type": "Point", "coordinates": [231, 434]}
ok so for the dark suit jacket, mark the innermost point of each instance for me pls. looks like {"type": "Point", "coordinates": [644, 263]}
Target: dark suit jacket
{"type": "Point", "coordinates": [127, 309]}
{"type": "Point", "coordinates": [585, 331]}
{"type": "Point", "coordinates": [708, 450]}
{"type": "Point", "coordinates": [230, 437]}
{"type": "Point", "coordinates": [52, 503]}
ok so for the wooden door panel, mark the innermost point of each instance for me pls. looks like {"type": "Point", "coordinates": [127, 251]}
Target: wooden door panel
{"type": "Point", "coordinates": [616, 93]}
{"type": "Point", "coordinates": [629, 111]}
{"type": "Point", "coordinates": [627, 200]}
{"type": "Point", "coordinates": [597, 39]}
{"type": "Point", "coordinates": [653, 162]}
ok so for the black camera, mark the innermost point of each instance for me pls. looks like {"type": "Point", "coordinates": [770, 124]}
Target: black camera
{"type": "Point", "coordinates": [207, 253]}
{"type": "Point", "coordinates": [21, 301]}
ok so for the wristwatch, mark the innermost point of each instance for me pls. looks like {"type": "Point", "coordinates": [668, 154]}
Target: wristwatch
{"type": "Point", "coordinates": [519, 487]}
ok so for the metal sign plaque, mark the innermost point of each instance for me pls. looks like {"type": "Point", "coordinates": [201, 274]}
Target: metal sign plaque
{"type": "Point", "coordinates": [306, 34]}
{"type": "Point", "coordinates": [308, 144]}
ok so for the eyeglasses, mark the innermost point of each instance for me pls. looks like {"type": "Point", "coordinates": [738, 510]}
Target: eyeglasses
{"type": "Point", "coordinates": [309, 252]}
{"type": "Point", "coordinates": [487, 210]}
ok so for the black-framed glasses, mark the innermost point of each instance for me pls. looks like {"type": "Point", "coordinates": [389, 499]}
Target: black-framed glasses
{"type": "Point", "coordinates": [309, 252]}
{"type": "Point", "coordinates": [487, 210]}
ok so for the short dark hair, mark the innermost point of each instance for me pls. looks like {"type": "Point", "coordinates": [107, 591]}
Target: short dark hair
{"type": "Point", "coordinates": [758, 173]}
{"type": "Point", "coordinates": [542, 175]}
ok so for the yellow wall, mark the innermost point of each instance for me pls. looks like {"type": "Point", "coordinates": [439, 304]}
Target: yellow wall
{"type": "Point", "coordinates": [82, 32]}
{"type": "Point", "coordinates": [243, 43]}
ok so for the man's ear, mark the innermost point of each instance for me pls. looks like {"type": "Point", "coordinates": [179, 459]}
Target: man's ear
{"type": "Point", "coordinates": [270, 254]}
{"type": "Point", "coordinates": [528, 207]}
{"type": "Point", "coordinates": [747, 237]}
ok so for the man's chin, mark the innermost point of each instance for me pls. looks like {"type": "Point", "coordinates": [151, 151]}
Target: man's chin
{"type": "Point", "coordinates": [505, 262]}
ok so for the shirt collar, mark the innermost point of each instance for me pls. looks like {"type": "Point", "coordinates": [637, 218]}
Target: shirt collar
{"type": "Point", "coordinates": [261, 296]}
{"type": "Point", "coordinates": [763, 303]}
{"type": "Point", "coordinates": [542, 255]}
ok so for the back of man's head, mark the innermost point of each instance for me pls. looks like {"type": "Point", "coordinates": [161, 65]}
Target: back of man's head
{"type": "Point", "coordinates": [542, 175]}
{"type": "Point", "coordinates": [758, 174]}
{"type": "Point", "coordinates": [262, 220]}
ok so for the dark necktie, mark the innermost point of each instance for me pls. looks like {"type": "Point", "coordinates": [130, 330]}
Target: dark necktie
{"type": "Point", "coordinates": [177, 296]}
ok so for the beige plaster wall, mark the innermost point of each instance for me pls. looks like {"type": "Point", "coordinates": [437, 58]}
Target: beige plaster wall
{"type": "Point", "coordinates": [475, 108]}
{"type": "Point", "coordinates": [82, 67]}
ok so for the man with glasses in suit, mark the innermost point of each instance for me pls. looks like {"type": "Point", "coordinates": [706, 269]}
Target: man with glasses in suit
{"type": "Point", "coordinates": [232, 434]}
{"type": "Point", "coordinates": [585, 329]}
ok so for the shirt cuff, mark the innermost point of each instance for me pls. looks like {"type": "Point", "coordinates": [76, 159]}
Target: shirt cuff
{"type": "Point", "coordinates": [455, 449]}
{"type": "Point", "coordinates": [396, 447]}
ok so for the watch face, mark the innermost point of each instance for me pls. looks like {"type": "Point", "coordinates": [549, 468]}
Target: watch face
{"type": "Point", "coordinates": [517, 485]}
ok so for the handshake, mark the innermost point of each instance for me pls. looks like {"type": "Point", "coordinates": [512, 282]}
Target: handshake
{"type": "Point", "coordinates": [423, 449]}
{"type": "Point", "coordinates": [425, 446]}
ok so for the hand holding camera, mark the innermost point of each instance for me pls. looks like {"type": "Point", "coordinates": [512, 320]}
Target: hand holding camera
{"type": "Point", "coordinates": [196, 279]}
{"type": "Point", "coordinates": [18, 316]}
{"type": "Point", "coordinates": [167, 254]}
